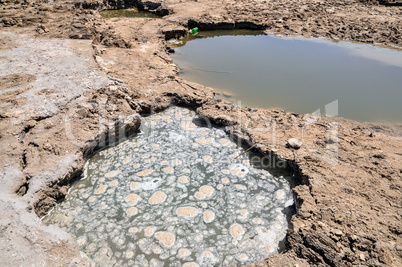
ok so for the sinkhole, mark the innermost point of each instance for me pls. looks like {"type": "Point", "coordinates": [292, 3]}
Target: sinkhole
{"type": "Point", "coordinates": [176, 195]}
{"type": "Point", "coordinates": [301, 75]}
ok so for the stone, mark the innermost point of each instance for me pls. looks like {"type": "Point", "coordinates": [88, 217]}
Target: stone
{"type": "Point", "coordinates": [337, 232]}
{"type": "Point", "coordinates": [42, 29]}
{"type": "Point", "coordinates": [293, 143]}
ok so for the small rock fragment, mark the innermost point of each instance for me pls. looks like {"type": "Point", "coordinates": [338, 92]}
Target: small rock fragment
{"type": "Point", "coordinates": [42, 29]}
{"type": "Point", "coordinates": [294, 143]}
{"type": "Point", "coordinates": [337, 232]}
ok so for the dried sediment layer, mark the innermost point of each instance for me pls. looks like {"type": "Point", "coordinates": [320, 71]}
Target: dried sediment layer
{"type": "Point", "coordinates": [348, 209]}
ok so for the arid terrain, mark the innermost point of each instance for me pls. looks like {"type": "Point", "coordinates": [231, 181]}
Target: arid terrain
{"type": "Point", "coordinates": [72, 81]}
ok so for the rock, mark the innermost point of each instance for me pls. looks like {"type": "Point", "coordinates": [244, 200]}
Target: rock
{"type": "Point", "coordinates": [364, 245]}
{"type": "Point", "coordinates": [293, 143]}
{"type": "Point", "coordinates": [367, 132]}
{"type": "Point", "coordinates": [42, 29]}
{"type": "Point", "coordinates": [362, 257]}
{"type": "Point", "coordinates": [337, 232]}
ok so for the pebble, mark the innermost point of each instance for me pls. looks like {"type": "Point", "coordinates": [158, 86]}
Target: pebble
{"type": "Point", "coordinates": [294, 143]}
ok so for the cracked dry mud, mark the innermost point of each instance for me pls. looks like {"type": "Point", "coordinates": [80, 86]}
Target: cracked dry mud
{"type": "Point", "coordinates": [71, 82]}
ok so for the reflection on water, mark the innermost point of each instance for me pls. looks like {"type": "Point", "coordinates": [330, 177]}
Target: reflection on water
{"type": "Point", "coordinates": [296, 74]}
{"type": "Point", "coordinates": [387, 56]}
{"type": "Point", "coordinates": [127, 13]}
{"type": "Point", "coordinates": [175, 196]}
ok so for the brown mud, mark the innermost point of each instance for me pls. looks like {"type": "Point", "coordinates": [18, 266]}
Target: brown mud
{"type": "Point", "coordinates": [72, 82]}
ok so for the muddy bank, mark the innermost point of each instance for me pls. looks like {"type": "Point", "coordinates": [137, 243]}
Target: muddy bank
{"type": "Point", "coordinates": [76, 82]}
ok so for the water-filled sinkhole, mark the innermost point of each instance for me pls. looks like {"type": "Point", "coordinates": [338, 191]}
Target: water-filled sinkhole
{"type": "Point", "coordinates": [174, 195]}
{"type": "Point", "coordinates": [297, 74]}
{"type": "Point", "coordinates": [127, 13]}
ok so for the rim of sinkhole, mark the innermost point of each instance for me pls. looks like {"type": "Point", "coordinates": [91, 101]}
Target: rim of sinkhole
{"type": "Point", "coordinates": [174, 195]}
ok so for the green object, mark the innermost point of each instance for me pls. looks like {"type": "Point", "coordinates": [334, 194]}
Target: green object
{"type": "Point", "coordinates": [194, 31]}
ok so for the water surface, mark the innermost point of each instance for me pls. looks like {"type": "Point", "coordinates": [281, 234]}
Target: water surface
{"type": "Point", "coordinates": [176, 196]}
{"type": "Point", "coordinates": [296, 74]}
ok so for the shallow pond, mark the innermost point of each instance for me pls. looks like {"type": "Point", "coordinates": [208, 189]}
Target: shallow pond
{"type": "Point", "coordinates": [174, 195]}
{"type": "Point", "coordinates": [127, 13]}
{"type": "Point", "coordinates": [296, 74]}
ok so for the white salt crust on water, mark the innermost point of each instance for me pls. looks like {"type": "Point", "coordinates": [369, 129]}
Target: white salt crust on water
{"type": "Point", "coordinates": [175, 196]}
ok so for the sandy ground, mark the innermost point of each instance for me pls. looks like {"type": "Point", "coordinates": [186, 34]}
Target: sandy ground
{"type": "Point", "coordinates": [71, 82]}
